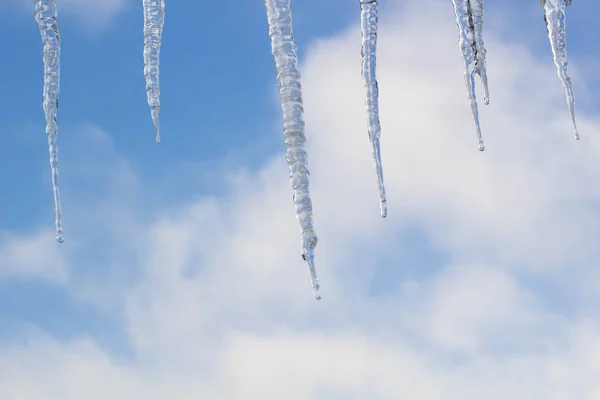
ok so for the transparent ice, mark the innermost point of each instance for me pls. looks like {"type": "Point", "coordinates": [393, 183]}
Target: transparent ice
{"type": "Point", "coordinates": [556, 23]}
{"type": "Point", "coordinates": [368, 23]}
{"type": "Point", "coordinates": [154, 20]}
{"type": "Point", "coordinates": [469, 15]}
{"type": "Point", "coordinates": [283, 48]}
{"type": "Point", "coordinates": [46, 17]}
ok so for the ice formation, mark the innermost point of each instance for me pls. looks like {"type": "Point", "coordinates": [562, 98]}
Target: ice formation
{"type": "Point", "coordinates": [556, 23]}
{"type": "Point", "coordinates": [154, 19]}
{"type": "Point", "coordinates": [469, 15]}
{"type": "Point", "coordinates": [46, 17]}
{"type": "Point", "coordinates": [369, 22]}
{"type": "Point", "coordinates": [290, 89]}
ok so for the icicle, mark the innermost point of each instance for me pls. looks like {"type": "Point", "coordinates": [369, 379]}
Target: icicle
{"type": "Point", "coordinates": [46, 17]}
{"type": "Point", "coordinates": [288, 77]}
{"type": "Point", "coordinates": [369, 21]}
{"type": "Point", "coordinates": [477, 23]}
{"type": "Point", "coordinates": [468, 47]}
{"type": "Point", "coordinates": [154, 19]}
{"type": "Point", "coordinates": [556, 21]}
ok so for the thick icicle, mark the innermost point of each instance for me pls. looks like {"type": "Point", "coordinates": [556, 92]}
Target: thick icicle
{"type": "Point", "coordinates": [154, 19]}
{"type": "Point", "coordinates": [288, 77]}
{"type": "Point", "coordinates": [556, 22]}
{"type": "Point", "coordinates": [46, 17]}
{"type": "Point", "coordinates": [464, 19]}
{"type": "Point", "coordinates": [477, 22]}
{"type": "Point", "coordinates": [369, 22]}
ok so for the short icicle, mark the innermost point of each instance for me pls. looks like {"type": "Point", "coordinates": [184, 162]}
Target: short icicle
{"type": "Point", "coordinates": [467, 44]}
{"type": "Point", "coordinates": [288, 77]}
{"type": "Point", "coordinates": [369, 22]}
{"type": "Point", "coordinates": [46, 17]}
{"type": "Point", "coordinates": [556, 22]}
{"type": "Point", "coordinates": [154, 19]}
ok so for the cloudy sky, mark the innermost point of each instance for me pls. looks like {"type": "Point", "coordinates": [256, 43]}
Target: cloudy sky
{"type": "Point", "coordinates": [181, 275]}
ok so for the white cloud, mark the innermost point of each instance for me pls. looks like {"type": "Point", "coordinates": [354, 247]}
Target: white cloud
{"type": "Point", "coordinates": [90, 14]}
{"type": "Point", "coordinates": [222, 309]}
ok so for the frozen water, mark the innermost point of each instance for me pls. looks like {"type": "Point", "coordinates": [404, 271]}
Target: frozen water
{"type": "Point", "coordinates": [46, 17]}
{"type": "Point", "coordinates": [369, 22]}
{"type": "Point", "coordinates": [556, 23]}
{"type": "Point", "coordinates": [154, 19]}
{"type": "Point", "coordinates": [290, 89]}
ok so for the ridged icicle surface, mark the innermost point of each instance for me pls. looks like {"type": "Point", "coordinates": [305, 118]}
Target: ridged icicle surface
{"type": "Point", "coordinates": [469, 14]}
{"type": "Point", "coordinates": [368, 24]}
{"type": "Point", "coordinates": [154, 20]}
{"type": "Point", "coordinates": [46, 17]}
{"type": "Point", "coordinates": [288, 77]}
{"type": "Point", "coordinates": [556, 24]}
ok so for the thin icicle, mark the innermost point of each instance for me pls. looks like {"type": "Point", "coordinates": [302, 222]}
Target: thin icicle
{"type": "Point", "coordinates": [464, 19]}
{"type": "Point", "coordinates": [288, 77]}
{"type": "Point", "coordinates": [477, 23]}
{"type": "Point", "coordinates": [154, 19]}
{"type": "Point", "coordinates": [46, 17]}
{"type": "Point", "coordinates": [369, 22]}
{"type": "Point", "coordinates": [556, 22]}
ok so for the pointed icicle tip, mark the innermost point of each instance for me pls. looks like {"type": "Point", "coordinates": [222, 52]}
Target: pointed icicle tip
{"type": "Point", "coordinates": [383, 206]}
{"type": "Point", "coordinates": [308, 255]}
{"type": "Point", "coordinates": [60, 238]}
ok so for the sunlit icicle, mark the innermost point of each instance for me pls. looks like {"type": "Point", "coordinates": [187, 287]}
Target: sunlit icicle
{"type": "Point", "coordinates": [154, 19]}
{"type": "Point", "coordinates": [464, 19]}
{"type": "Point", "coordinates": [369, 22]}
{"type": "Point", "coordinates": [556, 23]}
{"type": "Point", "coordinates": [477, 23]}
{"type": "Point", "coordinates": [290, 89]}
{"type": "Point", "coordinates": [46, 17]}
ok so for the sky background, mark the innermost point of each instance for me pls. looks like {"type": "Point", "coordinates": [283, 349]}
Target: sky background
{"type": "Point", "coordinates": [181, 276]}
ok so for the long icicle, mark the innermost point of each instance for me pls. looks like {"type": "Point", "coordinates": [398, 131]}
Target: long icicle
{"type": "Point", "coordinates": [368, 23]}
{"type": "Point", "coordinates": [464, 19]}
{"type": "Point", "coordinates": [154, 20]}
{"type": "Point", "coordinates": [46, 17]}
{"type": "Point", "coordinates": [288, 77]}
{"type": "Point", "coordinates": [556, 22]}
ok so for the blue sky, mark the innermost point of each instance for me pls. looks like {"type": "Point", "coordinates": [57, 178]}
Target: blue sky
{"type": "Point", "coordinates": [181, 277]}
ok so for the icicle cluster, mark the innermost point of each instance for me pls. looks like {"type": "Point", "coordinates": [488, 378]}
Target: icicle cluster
{"type": "Point", "coordinates": [556, 22]}
{"type": "Point", "coordinates": [469, 17]}
{"type": "Point", "coordinates": [46, 17]}
{"type": "Point", "coordinates": [154, 19]}
{"type": "Point", "coordinates": [288, 77]}
{"type": "Point", "coordinates": [469, 14]}
{"type": "Point", "coordinates": [368, 23]}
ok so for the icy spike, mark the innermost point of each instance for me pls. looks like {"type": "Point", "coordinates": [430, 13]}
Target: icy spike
{"type": "Point", "coordinates": [46, 17]}
{"type": "Point", "coordinates": [556, 22]}
{"type": "Point", "coordinates": [283, 48]}
{"type": "Point", "coordinates": [154, 19]}
{"type": "Point", "coordinates": [468, 47]}
{"type": "Point", "coordinates": [476, 11]}
{"type": "Point", "coordinates": [368, 24]}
